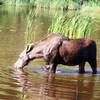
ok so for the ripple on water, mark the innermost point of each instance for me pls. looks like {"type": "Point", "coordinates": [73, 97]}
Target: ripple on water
{"type": "Point", "coordinates": [32, 85]}
{"type": "Point", "coordinates": [0, 30]}
{"type": "Point", "coordinates": [9, 90]}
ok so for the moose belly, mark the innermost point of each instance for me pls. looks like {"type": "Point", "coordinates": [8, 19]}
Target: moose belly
{"type": "Point", "coordinates": [71, 61]}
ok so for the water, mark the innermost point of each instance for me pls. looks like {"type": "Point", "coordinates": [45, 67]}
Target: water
{"type": "Point", "coordinates": [33, 83]}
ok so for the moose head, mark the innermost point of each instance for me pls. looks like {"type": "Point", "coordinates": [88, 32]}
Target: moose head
{"type": "Point", "coordinates": [24, 57]}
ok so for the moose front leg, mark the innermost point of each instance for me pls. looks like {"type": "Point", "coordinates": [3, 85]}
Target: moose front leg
{"type": "Point", "coordinates": [52, 68]}
{"type": "Point", "coordinates": [46, 67]}
{"type": "Point", "coordinates": [50, 53]}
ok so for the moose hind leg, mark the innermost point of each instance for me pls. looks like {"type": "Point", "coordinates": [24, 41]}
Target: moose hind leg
{"type": "Point", "coordinates": [81, 68]}
{"type": "Point", "coordinates": [93, 65]}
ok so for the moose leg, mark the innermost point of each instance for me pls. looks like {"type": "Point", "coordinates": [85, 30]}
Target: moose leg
{"type": "Point", "coordinates": [53, 68]}
{"type": "Point", "coordinates": [46, 67]}
{"type": "Point", "coordinates": [49, 55]}
{"type": "Point", "coordinates": [81, 68]}
{"type": "Point", "coordinates": [51, 50]}
{"type": "Point", "coordinates": [93, 65]}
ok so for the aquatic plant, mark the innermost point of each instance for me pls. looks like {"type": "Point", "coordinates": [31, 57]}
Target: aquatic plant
{"type": "Point", "coordinates": [58, 4]}
{"type": "Point", "coordinates": [29, 27]}
{"type": "Point", "coordinates": [75, 26]}
{"type": "Point", "coordinates": [91, 6]}
{"type": "Point", "coordinates": [91, 3]}
{"type": "Point", "coordinates": [18, 2]}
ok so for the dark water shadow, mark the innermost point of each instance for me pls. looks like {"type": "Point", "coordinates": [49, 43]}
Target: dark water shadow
{"type": "Point", "coordinates": [60, 71]}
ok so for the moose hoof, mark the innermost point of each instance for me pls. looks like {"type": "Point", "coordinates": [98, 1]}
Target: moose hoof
{"type": "Point", "coordinates": [46, 68]}
{"type": "Point", "coordinates": [81, 72]}
{"type": "Point", "coordinates": [94, 72]}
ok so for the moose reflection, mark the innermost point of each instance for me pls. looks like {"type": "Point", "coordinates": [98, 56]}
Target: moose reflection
{"type": "Point", "coordinates": [55, 87]}
{"type": "Point", "coordinates": [57, 49]}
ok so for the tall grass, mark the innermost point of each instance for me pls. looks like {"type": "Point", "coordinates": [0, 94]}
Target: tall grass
{"type": "Point", "coordinates": [91, 8]}
{"type": "Point", "coordinates": [29, 28]}
{"type": "Point", "coordinates": [91, 5]}
{"type": "Point", "coordinates": [76, 26]}
{"type": "Point", "coordinates": [37, 23]}
{"type": "Point", "coordinates": [58, 4]}
{"type": "Point", "coordinates": [18, 2]}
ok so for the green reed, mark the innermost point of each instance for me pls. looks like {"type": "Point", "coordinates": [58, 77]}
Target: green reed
{"type": "Point", "coordinates": [75, 26]}
{"type": "Point", "coordinates": [18, 2]}
{"type": "Point", "coordinates": [29, 27]}
{"type": "Point", "coordinates": [92, 3]}
{"type": "Point", "coordinates": [91, 6]}
{"type": "Point", "coordinates": [58, 4]}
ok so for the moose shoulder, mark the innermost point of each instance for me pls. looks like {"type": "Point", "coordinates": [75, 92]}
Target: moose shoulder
{"type": "Point", "coordinates": [57, 49]}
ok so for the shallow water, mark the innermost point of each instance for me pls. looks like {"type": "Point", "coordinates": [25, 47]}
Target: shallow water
{"type": "Point", "coordinates": [33, 83]}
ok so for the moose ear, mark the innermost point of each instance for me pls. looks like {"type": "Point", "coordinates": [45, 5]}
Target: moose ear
{"type": "Point", "coordinates": [29, 47]}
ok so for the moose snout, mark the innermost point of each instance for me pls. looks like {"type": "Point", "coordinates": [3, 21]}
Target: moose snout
{"type": "Point", "coordinates": [18, 64]}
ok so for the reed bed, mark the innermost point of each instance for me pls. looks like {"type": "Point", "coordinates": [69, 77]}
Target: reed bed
{"type": "Point", "coordinates": [29, 27]}
{"type": "Point", "coordinates": [76, 26]}
{"type": "Point", "coordinates": [91, 6]}
{"type": "Point", "coordinates": [57, 4]}
{"type": "Point", "coordinates": [18, 2]}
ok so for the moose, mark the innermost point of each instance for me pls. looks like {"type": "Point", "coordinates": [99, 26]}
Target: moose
{"type": "Point", "coordinates": [58, 49]}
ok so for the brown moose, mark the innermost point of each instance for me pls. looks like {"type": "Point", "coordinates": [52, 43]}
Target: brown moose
{"type": "Point", "coordinates": [57, 49]}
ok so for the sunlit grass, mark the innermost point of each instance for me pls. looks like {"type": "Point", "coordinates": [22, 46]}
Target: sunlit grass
{"type": "Point", "coordinates": [91, 5]}
{"type": "Point", "coordinates": [29, 28]}
{"type": "Point", "coordinates": [58, 4]}
{"type": "Point", "coordinates": [75, 26]}
{"type": "Point", "coordinates": [18, 2]}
